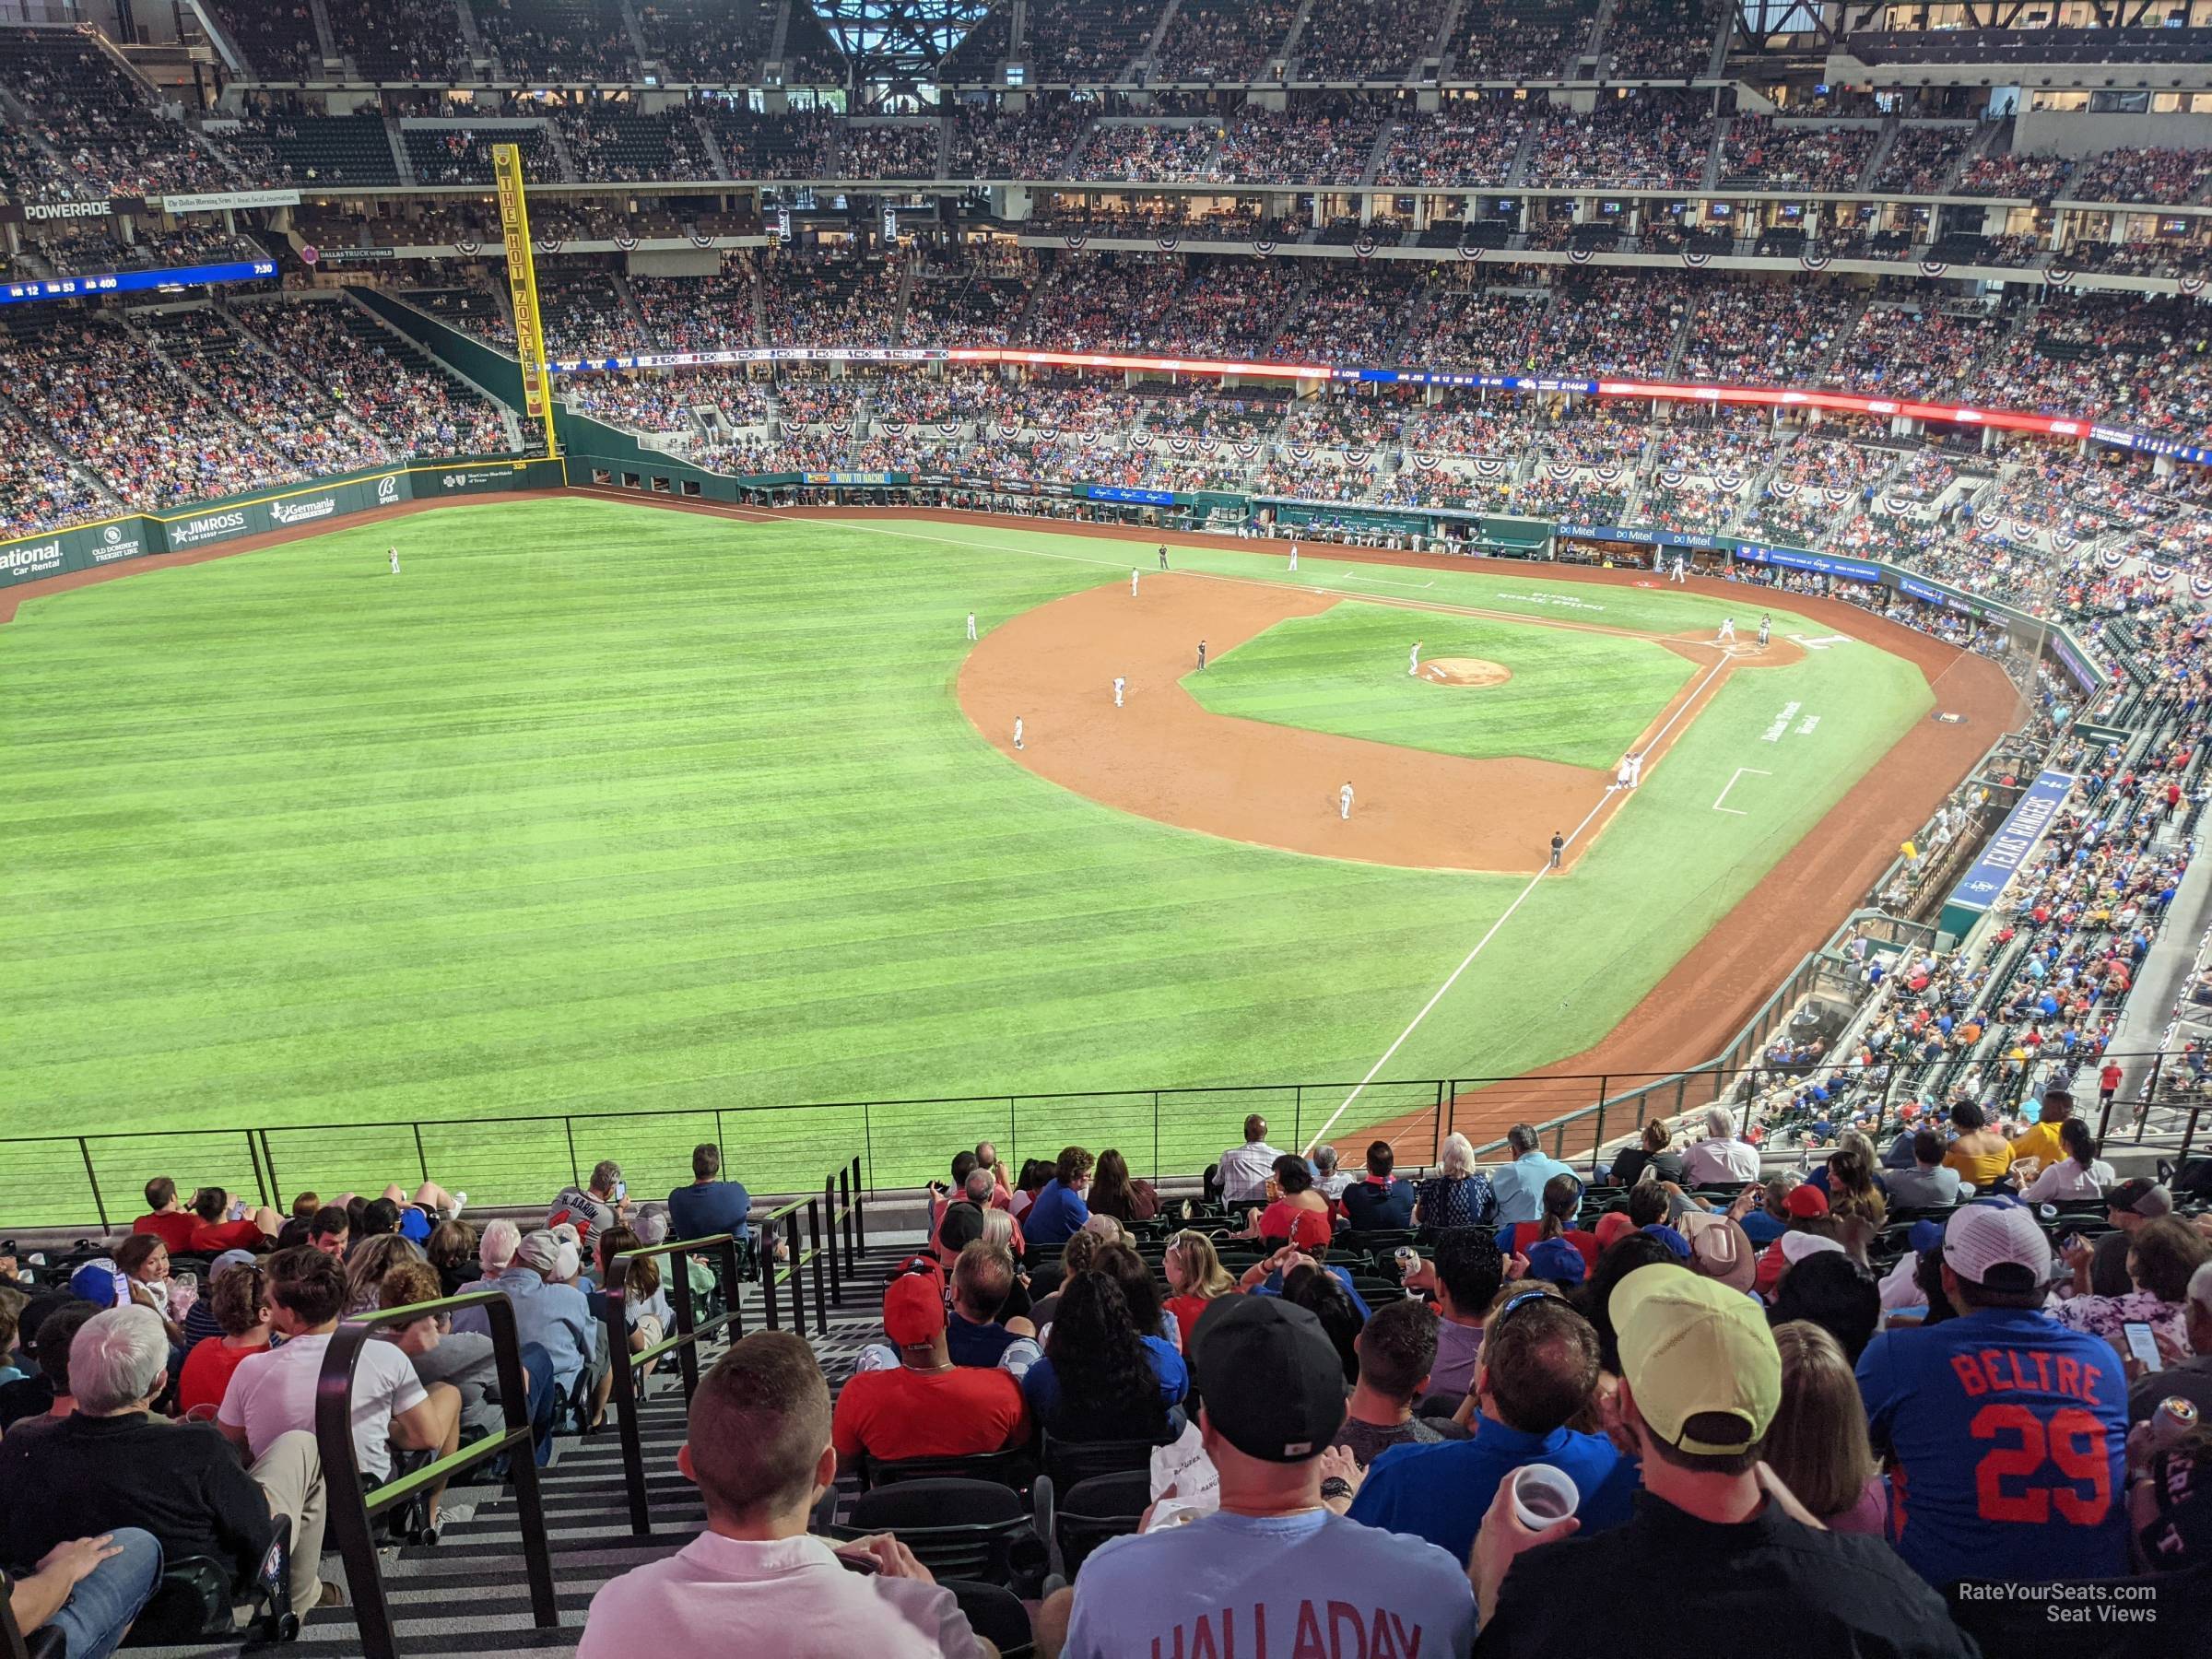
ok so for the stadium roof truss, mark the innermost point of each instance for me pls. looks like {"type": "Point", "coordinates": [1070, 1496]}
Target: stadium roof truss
{"type": "Point", "coordinates": [898, 40]}
{"type": "Point", "coordinates": [1970, 14]}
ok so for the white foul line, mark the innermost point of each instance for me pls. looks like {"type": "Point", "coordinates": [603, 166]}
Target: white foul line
{"type": "Point", "coordinates": [1731, 784]}
{"type": "Point", "coordinates": [1375, 1070]}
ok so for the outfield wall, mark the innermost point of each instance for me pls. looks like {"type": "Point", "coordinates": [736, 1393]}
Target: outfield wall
{"type": "Point", "coordinates": [199, 524]}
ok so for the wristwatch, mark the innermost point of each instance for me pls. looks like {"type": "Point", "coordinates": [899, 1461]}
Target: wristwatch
{"type": "Point", "coordinates": [1333, 1488]}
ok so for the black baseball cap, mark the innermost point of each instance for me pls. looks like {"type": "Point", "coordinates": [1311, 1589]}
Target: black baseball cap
{"type": "Point", "coordinates": [1271, 1378]}
{"type": "Point", "coordinates": [961, 1225]}
{"type": "Point", "coordinates": [2141, 1196]}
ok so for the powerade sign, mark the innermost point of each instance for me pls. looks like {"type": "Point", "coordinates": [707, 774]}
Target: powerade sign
{"type": "Point", "coordinates": [1791, 558]}
{"type": "Point", "coordinates": [1137, 497]}
{"type": "Point", "coordinates": [2024, 826]}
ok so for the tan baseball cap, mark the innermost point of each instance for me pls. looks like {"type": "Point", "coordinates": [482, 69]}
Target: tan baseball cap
{"type": "Point", "coordinates": [1691, 1347]}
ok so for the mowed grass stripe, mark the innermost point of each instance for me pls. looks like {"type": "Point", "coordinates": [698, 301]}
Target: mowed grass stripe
{"type": "Point", "coordinates": [598, 809]}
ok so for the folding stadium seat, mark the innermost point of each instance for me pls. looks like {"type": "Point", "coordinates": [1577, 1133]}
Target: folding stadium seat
{"type": "Point", "coordinates": [194, 1600]}
{"type": "Point", "coordinates": [1103, 1506]}
{"type": "Point", "coordinates": [1067, 1463]}
{"type": "Point", "coordinates": [1014, 1468]}
{"type": "Point", "coordinates": [969, 1529]}
{"type": "Point", "coordinates": [994, 1614]}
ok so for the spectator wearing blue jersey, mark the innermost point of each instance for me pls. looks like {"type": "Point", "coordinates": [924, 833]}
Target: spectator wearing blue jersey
{"type": "Point", "coordinates": [1518, 1187]}
{"type": "Point", "coordinates": [1380, 1201]}
{"type": "Point", "coordinates": [2006, 1431]}
{"type": "Point", "coordinates": [1059, 1212]}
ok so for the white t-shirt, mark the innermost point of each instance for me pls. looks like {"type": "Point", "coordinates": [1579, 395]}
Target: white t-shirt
{"type": "Point", "coordinates": [792, 1593]}
{"type": "Point", "coordinates": [2067, 1179]}
{"type": "Point", "coordinates": [273, 1392]}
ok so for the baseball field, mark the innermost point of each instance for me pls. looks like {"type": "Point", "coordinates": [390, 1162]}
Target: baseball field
{"type": "Point", "coordinates": [598, 809]}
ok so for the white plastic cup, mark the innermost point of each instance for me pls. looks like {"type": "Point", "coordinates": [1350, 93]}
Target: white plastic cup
{"type": "Point", "coordinates": [1543, 1496]}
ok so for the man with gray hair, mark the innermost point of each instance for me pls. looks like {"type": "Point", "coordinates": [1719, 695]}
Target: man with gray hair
{"type": "Point", "coordinates": [1328, 1180]}
{"type": "Point", "coordinates": [962, 1223]}
{"type": "Point", "coordinates": [1520, 1185]}
{"type": "Point", "coordinates": [115, 1465]}
{"type": "Point", "coordinates": [1720, 1160]}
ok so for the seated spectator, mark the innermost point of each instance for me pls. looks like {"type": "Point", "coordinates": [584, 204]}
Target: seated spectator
{"type": "Point", "coordinates": [1379, 1201]}
{"type": "Point", "coordinates": [294, 1231]}
{"type": "Point", "coordinates": [1114, 1192]}
{"type": "Point", "coordinates": [2130, 1207]}
{"type": "Point", "coordinates": [552, 1314]}
{"type": "Point", "coordinates": [1397, 1350]}
{"type": "Point", "coordinates": [1832, 1290]}
{"type": "Point", "coordinates": [1651, 1153]}
{"type": "Point", "coordinates": [2079, 1173]}
{"type": "Point", "coordinates": [1854, 1193]}
{"type": "Point", "coordinates": [2187, 1372]}
{"type": "Point", "coordinates": [219, 1229]}
{"type": "Point", "coordinates": [1538, 1369]}
{"type": "Point", "coordinates": [1464, 1276]}
{"type": "Point", "coordinates": [1978, 1152]}
{"type": "Point", "coordinates": [1459, 1195]}
{"type": "Point", "coordinates": [329, 1232]}
{"type": "Point", "coordinates": [370, 1260]}
{"type": "Point", "coordinates": [462, 1359]}
{"type": "Point", "coordinates": [1036, 1175]}
{"type": "Point", "coordinates": [1195, 1278]}
{"type": "Point", "coordinates": [1562, 1202]}
{"type": "Point", "coordinates": [115, 1460]}
{"type": "Point", "coordinates": [1700, 1383]}
{"type": "Point", "coordinates": [2161, 1257]}
{"type": "Point", "coordinates": [1929, 1394]}
{"type": "Point", "coordinates": [1245, 1169]}
{"type": "Point", "coordinates": [1328, 1180]}
{"type": "Point", "coordinates": [1931, 1183]}
{"type": "Point", "coordinates": [38, 1402]}
{"type": "Point", "coordinates": [239, 1297]}
{"type": "Point", "coordinates": [1297, 1214]}
{"type": "Point", "coordinates": [166, 1218]}
{"type": "Point", "coordinates": [273, 1394]}
{"type": "Point", "coordinates": [925, 1406]}
{"type": "Point", "coordinates": [1059, 1210]}
{"type": "Point", "coordinates": [1817, 1444]}
{"type": "Point", "coordinates": [1081, 1251]}
{"type": "Point", "coordinates": [986, 1158]}
{"type": "Point", "coordinates": [1518, 1186]}
{"type": "Point", "coordinates": [762, 1449]}
{"type": "Point", "coordinates": [1274, 1401]}
{"type": "Point", "coordinates": [1329, 1298]}
{"type": "Point", "coordinates": [976, 1333]}
{"type": "Point", "coordinates": [1807, 1210]}
{"type": "Point", "coordinates": [602, 1204]}
{"type": "Point", "coordinates": [452, 1249]}
{"type": "Point", "coordinates": [646, 1313]}
{"type": "Point", "coordinates": [960, 1223]}
{"type": "Point", "coordinates": [710, 1204]}
{"type": "Point", "coordinates": [1720, 1160]}
{"type": "Point", "coordinates": [143, 1260]}
{"type": "Point", "coordinates": [2044, 1140]}
{"type": "Point", "coordinates": [89, 1589]}
{"type": "Point", "coordinates": [1105, 1374]}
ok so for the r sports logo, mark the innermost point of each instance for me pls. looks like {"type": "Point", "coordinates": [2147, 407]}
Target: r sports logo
{"type": "Point", "coordinates": [387, 490]}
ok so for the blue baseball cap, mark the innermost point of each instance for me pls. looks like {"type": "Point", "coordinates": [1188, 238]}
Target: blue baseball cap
{"type": "Point", "coordinates": [1670, 1237]}
{"type": "Point", "coordinates": [1557, 1261]}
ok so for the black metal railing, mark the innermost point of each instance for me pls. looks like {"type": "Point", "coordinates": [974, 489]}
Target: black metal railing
{"type": "Point", "coordinates": [353, 1510]}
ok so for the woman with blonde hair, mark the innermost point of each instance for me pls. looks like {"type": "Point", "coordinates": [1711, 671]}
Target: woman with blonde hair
{"type": "Point", "coordinates": [366, 1265]}
{"type": "Point", "coordinates": [1195, 1278]}
{"type": "Point", "coordinates": [1458, 1194]}
{"type": "Point", "coordinates": [1818, 1443]}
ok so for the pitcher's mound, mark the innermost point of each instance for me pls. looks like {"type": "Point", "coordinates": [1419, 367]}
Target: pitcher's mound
{"type": "Point", "coordinates": [1464, 671]}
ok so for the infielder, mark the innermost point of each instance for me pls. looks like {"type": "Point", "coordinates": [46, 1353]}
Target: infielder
{"type": "Point", "coordinates": [1635, 770]}
{"type": "Point", "coordinates": [1202, 653]}
{"type": "Point", "coordinates": [1413, 664]}
{"type": "Point", "coordinates": [1344, 802]}
{"type": "Point", "coordinates": [1766, 625]}
{"type": "Point", "coordinates": [1621, 773]}
{"type": "Point", "coordinates": [1163, 556]}
{"type": "Point", "coordinates": [1133, 582]}
{"type": "Point", "coordinates": [1016, 731]}
{"type": "Point", "coordinates": [1727, 633]}
{"type": "Point", "coordinates": [1117, 690]}
{"type": "Point", "coordinates": [394, 561]}
{"type": "Point", "coordinates": [1294, 559]}
{"type": "Point", "coordinates": [970, 628]}
{"type": "Point", "coordinates": [1559, 845]}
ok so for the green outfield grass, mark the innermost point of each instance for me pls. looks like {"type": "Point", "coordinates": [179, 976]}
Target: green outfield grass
{"type": "Point", "coordinates": [601, 809]}
{"type": "Point", "coordinates": [1581, 698]}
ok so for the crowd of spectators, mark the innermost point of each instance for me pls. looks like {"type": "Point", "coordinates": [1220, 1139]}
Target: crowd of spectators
{"type": "Point", "coordinates": [2037, 177]}
{"type": "Point", "coordinates": [99, 135]}
{"type": "Point", "coordinates": [1759, 151]}
{"type": "Point", "coordinates": [1330, 144]}
{"type": "Point", "coordinates": [1465, 142]}
{"type": "Point", "coordinates": [1653, 139]}
{"type": "Point", "coordinates": [1222, 40]}
{"type": "Point", "coordinates": [829, 294]}
{"type": "Point", "coordinates": [1615, 324]}
{"type": "Point", "coordinates": [1365, 40]}
{"type": "Point", "coordinates": [1531, 38]}
{"type": "Point", "coordinates": [1663, 40]}
{"type": "Point", "coordinates": [558, 39]}
{"type": "Point", "coordinates": [1915, 351]}
{"type": "Point", "coordinates": [1755, 335]}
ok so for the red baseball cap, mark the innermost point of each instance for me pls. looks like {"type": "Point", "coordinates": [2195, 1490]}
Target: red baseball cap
{"type": "Point", "coordinates": [1806, 1201]}
{"type": "Point", "coordinates": [914, 1313]}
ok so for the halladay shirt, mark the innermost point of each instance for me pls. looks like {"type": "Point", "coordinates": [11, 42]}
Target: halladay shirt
{"type": "Point", "coordinates": [1267, 1587]}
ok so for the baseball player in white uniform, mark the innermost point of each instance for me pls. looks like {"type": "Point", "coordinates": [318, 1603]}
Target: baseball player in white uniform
{"type": "Point", "coordinates": [1117, 690]}
{"type": "Point", "coordinates": [394, 561]}
{"type": "Point", "coordinates": [1413, 663]}
{"type": "Point", "coordinates": [971, 628]}
{"type": "Point", "coordinates": [1293, 559]}
{"type": "Point", "coordinates": [1727, 633]}
{"type": "Point", "coordinates": [1344, 802]}
{"type": "Point", "coordinates": [1016, 731]}
{"type": "Point", "coordinates": [1620, 774]}
{"type": "Point", "coordinates": [1681, 571]}
{"type": "Point", "coordinates": [1766, 630]}
{"type": "Point", "coordinates": [1635, 770]}
{"type": "Point", "coordinates": [1133, 582]}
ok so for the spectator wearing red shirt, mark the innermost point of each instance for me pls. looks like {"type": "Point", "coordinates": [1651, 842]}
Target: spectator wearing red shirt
{"type": "Point", "coordinates": [166, 1218]}
{"type": "Point", "coordinates": [1562, 1199]}
{"type": "Point", "coordinates": [241, 1299]}
{"type": "Point", "coordinates": [925, 1407]}
{"type": "Point", "coordinates": [216, 1230]}
{"type": "Point", "coordinates": [1297, 1214]}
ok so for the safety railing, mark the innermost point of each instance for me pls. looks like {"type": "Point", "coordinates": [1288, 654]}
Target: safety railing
{"type": "Point", "coordinates": [353, 1510]}
{"type": "Point", "coordinates": [690, 1330]}
{"type": "Point", "coordinates": [790, 1265]}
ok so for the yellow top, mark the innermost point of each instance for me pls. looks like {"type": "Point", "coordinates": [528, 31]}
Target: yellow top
{"type": "Point", "coordinates": [2041, 1140]}
{"type": "Point", "coordinates": [1983, 1169]}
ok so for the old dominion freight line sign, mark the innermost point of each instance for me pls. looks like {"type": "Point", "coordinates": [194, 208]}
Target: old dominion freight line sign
{"type": "Point", "coordinates": [303, 506]}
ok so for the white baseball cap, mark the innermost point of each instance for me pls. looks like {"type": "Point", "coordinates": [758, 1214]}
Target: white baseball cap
{"type": "Point", "coordinates": [1796, 1246]}
{"type": "Point", "coordinates": [1998, 1245]}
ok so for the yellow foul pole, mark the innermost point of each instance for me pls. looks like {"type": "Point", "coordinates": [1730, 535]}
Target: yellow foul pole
{"type": "Point", "coordinates": [521, 287]}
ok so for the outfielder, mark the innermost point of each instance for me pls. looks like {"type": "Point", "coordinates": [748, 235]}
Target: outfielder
{"type": "Point", "coordinates": [970, 628]}
{"type": "Point", "coordinates": [1413, 664]}
{"type": "Point", "coordinates": [1727, 633]}
{"type": "Point", "coordinates": [1016, 731]}
{"type": "Point", "coordinates": [1133, 582]}
{"type": "Point", "coordinates": [1344, 802]}
{"type": "Point", "coordinates": [1117, 690]}
{"type": "Point", "coordinates": [394, 561]}
{"type": "Point", "coordinates": [1293, 559]}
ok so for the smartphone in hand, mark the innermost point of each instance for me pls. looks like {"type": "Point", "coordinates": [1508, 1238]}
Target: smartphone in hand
{"type": "Point", "coordinates": [2143, 1346]}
